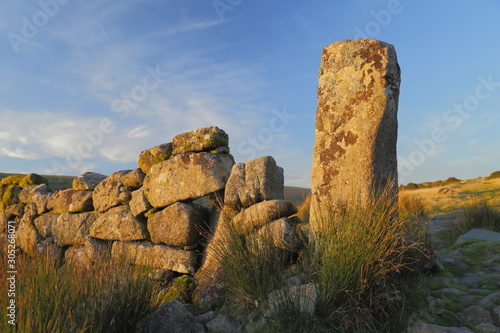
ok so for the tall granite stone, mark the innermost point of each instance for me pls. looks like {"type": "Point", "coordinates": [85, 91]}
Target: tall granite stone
{"type": "Point", "coordinates": [356, 121]}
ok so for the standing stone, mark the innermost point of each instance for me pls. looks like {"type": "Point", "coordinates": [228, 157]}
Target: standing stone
{"type": "Point", "coordinates": [356, 121]}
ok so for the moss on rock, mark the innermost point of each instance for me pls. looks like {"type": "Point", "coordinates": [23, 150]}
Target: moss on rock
{"type": "Point", "coordinates": [33, 179]}
{"type": "Point", "coordinates": [11, 195]}
{"type": "Point", "coordinates": [12, 180]}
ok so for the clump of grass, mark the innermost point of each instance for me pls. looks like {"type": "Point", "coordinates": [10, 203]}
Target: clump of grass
{"type": "Point", "coordinates": [304, 209]}
{"type": "Point", "coordinates": [252, 266]}
{"type": "Point", "coordinates": [361, 249]}
{"type": "Point", "coordinates": [477, 215]}
{"type": "Point", "coordinates": [108, 297]}
{"type": "Point", "coordinates": [356, 261]}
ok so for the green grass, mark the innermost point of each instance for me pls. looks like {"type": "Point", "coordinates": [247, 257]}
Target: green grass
{"type": "Point", "coordinates": [358, 262]}
{"type": "Point", "coordinates": [109, 297]}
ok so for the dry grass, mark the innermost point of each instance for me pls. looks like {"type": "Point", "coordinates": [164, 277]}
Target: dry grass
{"type": "Point", "coordinates": [461, 195]}
{"type": "Point", "coordinates": [356, 260]}
{"type": "Point", "coordinates": [109, 297]}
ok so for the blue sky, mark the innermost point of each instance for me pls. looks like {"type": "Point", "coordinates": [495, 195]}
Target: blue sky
{"type": "Point", "coordinates": [87, 85]}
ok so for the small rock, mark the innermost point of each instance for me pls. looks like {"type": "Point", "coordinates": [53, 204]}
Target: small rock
{"type": "Point", "coordinates": [467, 299]}
{"type": "Point", "coordinates": [201, 139]}
{"type": "Point", "coordinates": [430, 328]}
{"type": "Point", "coordinates": [87, 181]}
{"type": "Point", "coordinates": [171, 317]}
{"type": "Point", "coordinates": [302, 297]}
{"type": "Point", "coordinates": [487, 235]}
{"type": "Point", "coordinates": [452, 291]}
{"type": "Point", "coordinates": [224, 324]}
{"type": "Point", "coordinates": [205, 318]}
{"type": "Point", "coordinates": [487, 328]}
{"type": "Point", "coordinates": [155, 155]}
{"type": "Point", "coordinates": [434, 301]}
{"type": "Point", "coordinates": [496, 315]}
{"type": "Point", "coordinates": [476, 313]}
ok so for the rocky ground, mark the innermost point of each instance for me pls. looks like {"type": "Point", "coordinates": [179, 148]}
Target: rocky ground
{"type": "Point", "coordinates": [465, 296]}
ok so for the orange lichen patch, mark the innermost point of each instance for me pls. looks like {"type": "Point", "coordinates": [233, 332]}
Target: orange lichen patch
{"type": "Point", "coordinates": [370, 55]}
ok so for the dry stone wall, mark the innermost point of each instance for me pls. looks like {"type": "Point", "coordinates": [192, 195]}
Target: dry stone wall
{"type": "Point", "coordinates": [160, 215]}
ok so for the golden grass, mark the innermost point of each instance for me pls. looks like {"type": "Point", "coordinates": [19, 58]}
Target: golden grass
{"type": "Point", "coordinates": [461, 195]}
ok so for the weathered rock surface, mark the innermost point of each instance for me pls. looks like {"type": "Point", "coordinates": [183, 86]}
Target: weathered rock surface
{"type": "Point", "coordinates": [87, 181]}
{"type": "Point", "coordinates": [356, 120]}
{"type": "Point", "coordinates": [44, 224]}
{"type": "Point", "coordinates": [254, 181]}
{"type": "Point", "coordinates": [283, 232]}
{"type": "Point", "coordinates": [70, 200]}
{"type": "Point", "coordinates": [171, 317]}
{"type": "Point", "coordinates": [27, 237]}
{"type": "Point", "coordinates": [487, 235]}
{"type": "Point", "coordinates": [29, 193]}
{"type": "Point", "coordinates": [201, 139]}
{"type": "Point", "coordinates": [111, 192]}
{"type": "Point", "coordinates": [261, 214]}
{"type": "Point", "coordinates": [138, 204]}
{"type": "Point", "coordinates": [177, 225]}
{"type": "Point", "coordinates": [224, 324]}
{"type": "Point", "coordinates": [118, 223]}
{"type": "Point", "coordinates": [14, 210]}
{"type": "Point", "coordinates": [133, 179]}
{"type": "Point", "coordinates": [72, 229]}
{"type": "Point", "coordinates": [76, 256]}
{"type": "Point", "coordinates": [303, 297]}
{"type": "Point", "coordinates": [186, 176]}
{"type": "Point", "coordinates": [42, 202]}
{"type": "Point", "coordinates": [476, 313]}
{"type": "Point", "coordinates": [97, 249]}
{"type": "Point", "coordinates": [155, 256]}
{"type": "Point", "coordinates": [155, 155]}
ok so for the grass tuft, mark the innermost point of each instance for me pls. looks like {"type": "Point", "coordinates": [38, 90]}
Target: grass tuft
{"type": "Point", "coordinates": [355, 260]}
{"type": "Point", "coordinates": [109, 297]}
{"type": "Point", "coordinates": [478, 215]}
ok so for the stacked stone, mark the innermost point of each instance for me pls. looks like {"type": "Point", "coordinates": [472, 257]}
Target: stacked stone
{"type": "Point", "coordinates": [160, 214]}
{"type": "Point", "coordinates": [179, 176]}
{"type": "Point", "coordinates": [253, 202]}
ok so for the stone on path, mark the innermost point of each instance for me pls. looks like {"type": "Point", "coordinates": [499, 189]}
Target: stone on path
{"type": "Point", "coordinates": [486, 235]}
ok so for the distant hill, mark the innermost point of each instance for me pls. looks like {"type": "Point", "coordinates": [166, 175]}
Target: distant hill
{"type": "Point", "coordinates": [296, 194]}
{"type": "Point", "coordinates": [450, 197]}
{"type": "Point", "coordinates": [55, 182]}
